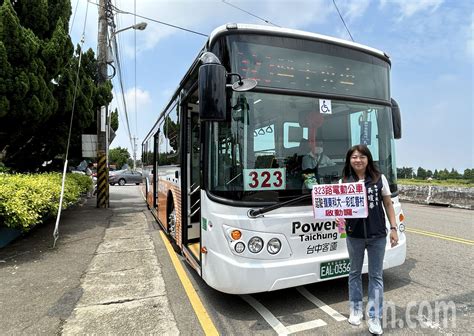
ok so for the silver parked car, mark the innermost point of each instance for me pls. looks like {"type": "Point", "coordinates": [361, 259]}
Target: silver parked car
{"type": "Point", "coordinates": [123, 177]}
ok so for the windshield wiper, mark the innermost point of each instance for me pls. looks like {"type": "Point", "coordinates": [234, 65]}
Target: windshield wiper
{"type": "Point", "coordinates": [254, 213]}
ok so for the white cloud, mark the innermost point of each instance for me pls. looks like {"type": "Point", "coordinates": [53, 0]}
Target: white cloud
{"type": "Point", "coordinates": [204, 16]}
{"type": "Point", "coordinates": [350, 11]}
{"type": "Point", "coordinates": [440, 36]}
{"type": "Point", "coordinates": [143, 99]}
{"type": "Point", "coordinates": [408, 8]}
{"type": "Point", "coordinates": [354, 9]}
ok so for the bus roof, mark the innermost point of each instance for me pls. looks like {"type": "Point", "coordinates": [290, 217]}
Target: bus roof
{"type": "Point", "coordinates": [269, 30]}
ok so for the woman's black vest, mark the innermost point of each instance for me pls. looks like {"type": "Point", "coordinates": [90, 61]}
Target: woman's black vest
{"type": "Point", "coordinates": [374, 225]}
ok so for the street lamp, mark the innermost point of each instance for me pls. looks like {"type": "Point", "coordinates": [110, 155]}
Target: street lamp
{"type": "Point", "coordinates": [102, 131]}
{"type": "Point", "coordinates": [138, 26]}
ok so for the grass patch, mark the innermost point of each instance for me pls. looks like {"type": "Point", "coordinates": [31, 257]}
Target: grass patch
{"type": "Point", "coordinates": [441, 183]}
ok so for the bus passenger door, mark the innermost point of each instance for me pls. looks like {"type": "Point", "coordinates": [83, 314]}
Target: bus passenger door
{"type": "Point", "coordinates": [194, 182]}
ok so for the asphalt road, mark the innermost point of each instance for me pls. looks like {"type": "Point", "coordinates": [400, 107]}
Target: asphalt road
{"type": "Point", "coordinates": [431, 293]}
{"type": "Point", "coordinates": [44, 290]}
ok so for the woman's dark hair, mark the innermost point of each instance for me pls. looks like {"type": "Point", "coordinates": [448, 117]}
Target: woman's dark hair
{"type": "Point", "coordinates": [371, 169]}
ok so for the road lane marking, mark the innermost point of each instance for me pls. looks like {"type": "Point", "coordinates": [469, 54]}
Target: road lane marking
{"type": "Point", "coordinates": [279, 328]}
{"type": "Point", "coordinates": [324, 307]}
{"type": "Point", "coordinates": [305, 326]}
{"type": "Point", "coordinates": [201, 312]}
{"type": "Point", "coordinates": [441, 236]}
{"type": "Point", "coordinates": [267, 315]}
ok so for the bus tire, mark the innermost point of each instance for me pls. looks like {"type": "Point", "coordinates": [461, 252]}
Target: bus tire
{"type": "Point", "coordinates": [171, 224]}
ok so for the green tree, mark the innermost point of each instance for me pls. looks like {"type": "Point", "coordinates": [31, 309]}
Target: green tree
{"type": "Point", "coordinates": [468, 174]}
{"type": "Point", "coordinates": [405, 172]}
{"type": "Point", "coordinates": [114, 120]}
{"type": "Point", "coordinates": [453, 174]}
{"type": "Point", "coordinates": [31, 67]}
{"type": "Point", "coordinates": [90, 97]}
{"type": "Point", "coordinates": [421, 173]}
{"type": "Point", "coordinates": [172, 133]}
{"type": "Point", "coordinates": [38, 70]}
{"type": "Point", "coordinates": [27, 90]}
{"type": "Point", "coordinates": [429, 173]}
{"type": "Point", "coordinates": [119, 156]}
{"type": "Point", "coordinates": [443, 174]}
{"type": "Point", "coordinates": [147, 158]}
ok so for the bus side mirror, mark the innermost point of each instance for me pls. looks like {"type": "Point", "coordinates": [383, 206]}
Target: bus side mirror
{"type": "Point", "coordinates": [396, 120]}
{"type": "Point", "coordinates": [212, 92]}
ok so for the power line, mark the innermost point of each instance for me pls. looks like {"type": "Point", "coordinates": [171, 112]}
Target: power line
{"type": "Point", "coordinates": [243, 10]}
{"type": "Point", "coordinates": [61, 196]}
{"type": "Point", "coordinates": [117, 54]}
{"type": "Point", "coordinates": [119, 108]}
{"type": "Point", "coordinates": [119, 72]}
{"type": "Point", "coordinates": [334, 2]}
{"type": "Point", "coordinates": [74, 17]}
{"type": "Point", "coordinates": [160, 22]}
{"type": "Point", "coordinates": [135, 63]}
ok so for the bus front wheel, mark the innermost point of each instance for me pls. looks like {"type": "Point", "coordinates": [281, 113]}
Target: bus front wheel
{"type": "Point", "coordinates": [172, 222]}
{"type": "Point", "coordinates": [172, 226]}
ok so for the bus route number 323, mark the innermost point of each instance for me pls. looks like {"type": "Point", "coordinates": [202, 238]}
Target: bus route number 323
{"type": "Point", "coordinates": [264, 179]}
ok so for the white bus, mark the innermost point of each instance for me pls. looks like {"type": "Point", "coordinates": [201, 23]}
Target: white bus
{"type": "Point", "coordinates": [224, 159]}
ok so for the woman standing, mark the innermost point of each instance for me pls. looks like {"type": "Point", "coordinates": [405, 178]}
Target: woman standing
{"type": "Point", "coordinates": [368, 234]}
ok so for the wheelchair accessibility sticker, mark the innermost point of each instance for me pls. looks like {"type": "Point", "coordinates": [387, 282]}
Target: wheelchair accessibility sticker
{"type": "Point", "coordinates": [325, 106]}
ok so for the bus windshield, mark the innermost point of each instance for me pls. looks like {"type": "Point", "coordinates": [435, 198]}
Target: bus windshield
{"type": "Point", "coordinates": [265, 153]}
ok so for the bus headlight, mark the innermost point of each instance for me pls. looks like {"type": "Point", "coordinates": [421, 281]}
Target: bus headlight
{"type": "Point", "coordinates": [239, 247]}
{"type": "Point", "coordinates": [274, 246]}
{"type": "Point", "coordinates": [255, 244]}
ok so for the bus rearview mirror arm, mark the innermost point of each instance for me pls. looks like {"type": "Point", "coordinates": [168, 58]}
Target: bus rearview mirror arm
{"type": "Point", "coordinates": [242, 84]}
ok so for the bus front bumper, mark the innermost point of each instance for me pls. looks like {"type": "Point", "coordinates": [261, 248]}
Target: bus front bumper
{"type": "Point", "coordinates": [245, 276]}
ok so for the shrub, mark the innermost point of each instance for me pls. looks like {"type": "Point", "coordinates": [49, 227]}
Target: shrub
{"type": "Point", "coordinates": [3, 169]}
{"type": "Point", "coordinates": [27, 199]}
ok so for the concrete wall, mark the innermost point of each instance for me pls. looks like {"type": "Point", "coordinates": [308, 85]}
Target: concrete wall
{"type": "Point", "coordinates": [458, 197]}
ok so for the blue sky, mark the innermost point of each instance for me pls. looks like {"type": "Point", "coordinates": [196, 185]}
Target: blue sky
{"type": "Point", "coordinates": [430, 42]}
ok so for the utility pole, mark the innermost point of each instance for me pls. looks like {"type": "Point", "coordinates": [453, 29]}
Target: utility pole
{"type": "Point", "coordinates": [102, 145]}
{"type": "Point", "coordinates": [135, 153]}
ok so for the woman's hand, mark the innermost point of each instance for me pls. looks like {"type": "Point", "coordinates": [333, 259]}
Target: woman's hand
{"type": "Point", "coordinates": [341, 225]}
{"type": "Point", "coordinates": [340, 221]}
{"type": "Point", "coordinates": [393, 238]}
